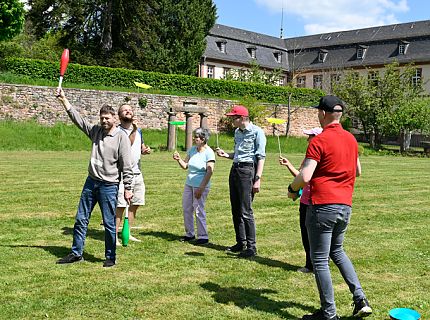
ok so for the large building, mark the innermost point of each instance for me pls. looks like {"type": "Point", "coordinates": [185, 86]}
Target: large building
{"type": "Point", "coordinates": [316, 61]}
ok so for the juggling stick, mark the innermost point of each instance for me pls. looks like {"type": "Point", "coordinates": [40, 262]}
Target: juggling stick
{"type": "Point", "coordinates": [125, 234]}
{"type": "Point", "coordinates": [216, 127]}
{"type": "Point", "coordinates": [176, 124]}
{"type": "Point", "coordinates": [63, 66]}
{"type": "Point", "coordinates": [276, 121]}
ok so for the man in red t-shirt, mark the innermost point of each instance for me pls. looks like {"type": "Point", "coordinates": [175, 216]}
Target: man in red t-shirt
{"type": "Point", "coordinates": [330, 167]}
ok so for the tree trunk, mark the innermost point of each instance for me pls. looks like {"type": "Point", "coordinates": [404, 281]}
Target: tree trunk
{"type": "Point", "coordinates": [106, 41]}
{"type": "Point", "coordinates": [372, 142]}
{"type": "Point", "coordinates": [405, 140]}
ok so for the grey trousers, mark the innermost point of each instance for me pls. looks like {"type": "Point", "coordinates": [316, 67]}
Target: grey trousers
{"type": "Point", "coordinates": [326, 226]}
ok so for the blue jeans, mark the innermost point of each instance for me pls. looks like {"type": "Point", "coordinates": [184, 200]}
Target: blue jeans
{"type": "Point", "coordinates": [105, 194]}
{"type": "Point", "coordinates": [326, 226]}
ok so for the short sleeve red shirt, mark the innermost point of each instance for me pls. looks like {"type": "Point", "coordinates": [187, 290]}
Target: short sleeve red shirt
{"type": "Point", "coordinates": [336, 152]}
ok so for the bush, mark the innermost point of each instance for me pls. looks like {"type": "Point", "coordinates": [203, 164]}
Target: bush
{"type": "Point", "coordinates": [118, 77]}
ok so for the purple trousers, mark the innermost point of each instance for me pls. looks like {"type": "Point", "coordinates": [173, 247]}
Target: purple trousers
{"type": "Point", "coordinates": [191, 205]}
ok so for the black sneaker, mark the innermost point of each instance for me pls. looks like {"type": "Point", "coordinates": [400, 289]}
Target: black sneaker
{"type": "Point", "coordinates": [318, 315]}
{"type": "Point", "coordinates": [248, 253]}
{"type": "Point", "coordinates": [202, 241]}
{"type": "Point", "coordinates": [361, 308]}
{"type": "Point", "coordinates": [187, 239]}
{"type": "Point", "coordinates": [238, 247]}
{"type": "Point", "coordinates": [70, 258]}
{"type": "Point", "coordinates": [108, 263]}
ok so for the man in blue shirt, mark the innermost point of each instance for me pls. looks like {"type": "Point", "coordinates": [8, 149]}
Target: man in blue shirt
{"type": "Point", "coordinates": [245, 178]}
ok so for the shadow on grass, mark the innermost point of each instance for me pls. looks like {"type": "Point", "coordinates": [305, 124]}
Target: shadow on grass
{"type": "Point", "coordinates": [57, 251]}
{"type": "Point", "coordinates": [162, 234]}
{"type": "Point", "coordinates": [262, 260]}
{"type": "Point", "coordinates": [253, 298]}
{"type": "Point", "coordinates": [91, 233]}
{"type": "Point", "coordinates": [194, 254]}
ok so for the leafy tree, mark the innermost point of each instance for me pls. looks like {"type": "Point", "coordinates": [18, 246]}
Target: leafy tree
{"type": "Point", "coordinates": [385, 104]}
{"type": "Point", "coordinates": [155, 35]}
{"type": "Point", "coordinates": [26, 45]}
{"type": "Point", "coordinates": [11, 18]}
{"type": "Point", "coordinates": [411, 116]}
{"type": "Point", "coordinates": [361, 101]}
{"type": "Point", "coordinates": [255, 74]}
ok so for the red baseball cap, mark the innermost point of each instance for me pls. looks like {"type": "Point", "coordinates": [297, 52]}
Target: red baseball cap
{"type": "Point", "coordinates": [238, 110]}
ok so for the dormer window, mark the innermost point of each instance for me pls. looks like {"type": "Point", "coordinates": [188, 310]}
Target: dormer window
{"type": "Point", "coordinates": [322, 55]}
{"type": "Point", "coordinates": [252, 52]}
{"type": "Point", "coordinates": [221, 45]}
{"type": "Point", "coordinates": [361, 52]}
{"type": "Point", "coordinates": [278, 56]}
{"type": "Point", "coordinates": [403, 47]}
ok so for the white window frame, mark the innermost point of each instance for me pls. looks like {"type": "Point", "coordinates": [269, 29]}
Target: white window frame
{"type": "Point", "coordinates": [322, 55]}
{"type": "Point", "coordinates": [301, 82]}
{"type": "Point", "coordinates": [403, 47]}
{"type": "Point", "coordinates": [221, 46]}
{"type": "Point", "coordinates": [361, 52]}
{"type": "Point", "coordinates": [225, 72]}
{"type": "Point", "coordinates": [252, 52]}
{"type": "Point", "coordinates": [315, 83]}
{"type": "Point", "coordinates": [278, 56]}
{"type": "Point", "coordinates": [210, 72]}
{"type": "Point", "coordinates": [334, 78]}
{"type": "Point", "coordinates": [372, 76]}
{"type": "Point", "coordinates": [417, 77]}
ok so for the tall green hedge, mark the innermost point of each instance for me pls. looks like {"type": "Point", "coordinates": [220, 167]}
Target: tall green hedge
{"type": "Point", "coordinates": [118, 77]}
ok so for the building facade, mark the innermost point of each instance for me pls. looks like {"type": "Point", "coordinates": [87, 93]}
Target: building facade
{"type": "Point", "coordinates": [317, 61]}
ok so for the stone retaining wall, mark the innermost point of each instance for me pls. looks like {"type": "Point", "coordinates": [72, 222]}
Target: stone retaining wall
{"type": "Point", "coordinates": [23, 102]}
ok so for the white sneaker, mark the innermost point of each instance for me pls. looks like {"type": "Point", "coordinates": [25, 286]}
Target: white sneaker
{"type": "Point", "coordinates": [134, 239]}
{"type": "Point", "coordinates": [118, 243]}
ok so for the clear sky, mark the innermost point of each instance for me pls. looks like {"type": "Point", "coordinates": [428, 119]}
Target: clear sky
{"type": "Point", "coordinates": [304, 17]}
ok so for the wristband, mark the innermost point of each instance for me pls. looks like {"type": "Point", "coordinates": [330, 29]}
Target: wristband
{"type": "Point", "coordinates": [290, 190]}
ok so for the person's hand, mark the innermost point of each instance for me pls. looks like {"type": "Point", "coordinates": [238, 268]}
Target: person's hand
{"type": "Point", "coordinates": [256, 186]}
{"type": "Point", "coordinates": [198, 193]}
{"type": "Point", "coordinates": [59, 93]}
{"type": "Point", "coordinates": [283, 161]}
{"type": "Point", "coordinates": [176, 156]}
{"type": "Point", "coordinates": [293, 196]}
{"type": "Point", "coordinates": [221, 153]}
{"type": "Point", "coordinates": [146, 150]}
{"type": "Point", "coordinates": [128, 195]}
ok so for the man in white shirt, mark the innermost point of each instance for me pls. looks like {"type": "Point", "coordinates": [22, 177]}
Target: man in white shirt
{"type": "Point", "coordinates": [126, 117]}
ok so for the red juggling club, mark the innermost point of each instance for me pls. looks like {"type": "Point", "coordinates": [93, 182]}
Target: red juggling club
{"type": "Point", "coordinates": [63, 66]}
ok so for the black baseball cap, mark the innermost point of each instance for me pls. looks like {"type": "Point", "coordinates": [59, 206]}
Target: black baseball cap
{"type": "Point", "coordinates": [327, 103]}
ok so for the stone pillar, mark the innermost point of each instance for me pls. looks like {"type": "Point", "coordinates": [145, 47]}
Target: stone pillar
{"type": "Point", "coordinates": [171, 131]}
{"type": "Point", "coordinates": [203, 120]}
{"type": "Point", "coordinates": [188, 130]}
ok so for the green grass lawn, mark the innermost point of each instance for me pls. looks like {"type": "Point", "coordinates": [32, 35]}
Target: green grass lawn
{"type": "Point", "coordinates": [161, 278]}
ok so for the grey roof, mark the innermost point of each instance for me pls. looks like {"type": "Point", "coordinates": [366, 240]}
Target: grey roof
{"type": "Point", "coordinates": [226, 32]}
{"type": "Point", "coordinates": [382, 47]}
{"type": "Point", "coordinates": [362, 36]}
{"type": "Point", "coordinates": [378, 53]}
{"type": "Point", "coordinates": [237, 43]}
